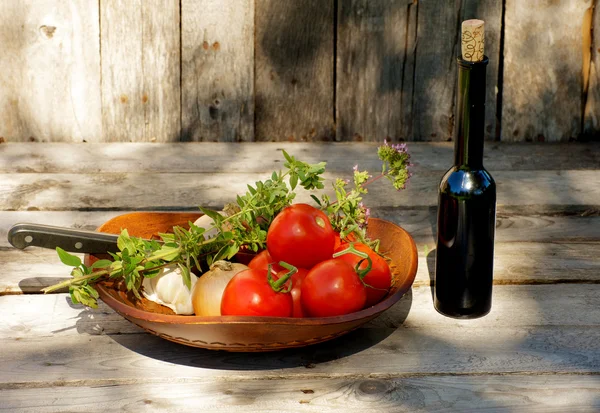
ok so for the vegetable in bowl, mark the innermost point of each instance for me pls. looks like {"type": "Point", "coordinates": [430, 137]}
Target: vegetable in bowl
{"type": "Point", "coordinates": [242, 226]}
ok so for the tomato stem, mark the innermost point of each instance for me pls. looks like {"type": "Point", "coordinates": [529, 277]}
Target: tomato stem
{"type": "Point", "coordinates": [277, 285]}
{"type": "Point", "coordinates": [351, 250]}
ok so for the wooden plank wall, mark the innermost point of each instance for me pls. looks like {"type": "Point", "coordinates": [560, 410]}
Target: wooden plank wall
{"type": "Point", "coordinates": [543, 87]}
{"type": "Point", "coordinates": [139, 43]}
{"type": "Point", "coordinates": [296, 70]}
{"type": "Point", "coordinates": [217, 70]}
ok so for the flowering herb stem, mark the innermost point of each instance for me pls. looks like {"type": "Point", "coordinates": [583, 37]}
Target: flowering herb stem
{"type": "Point", "coordinates": [244, 225]}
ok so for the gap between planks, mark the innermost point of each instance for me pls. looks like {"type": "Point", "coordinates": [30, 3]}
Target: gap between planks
{"type": "Point", "coordinates": [528, 331]}
{"type": "Point", "coordinates": [299, 377]}
{"type": "Point", "coordinates": [265, 157]}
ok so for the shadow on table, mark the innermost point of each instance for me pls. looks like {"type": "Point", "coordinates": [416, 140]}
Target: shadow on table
{"type": "Point", "coordinates": [431, 271]}
{"type": "Point", "coordinates": [354, 342]}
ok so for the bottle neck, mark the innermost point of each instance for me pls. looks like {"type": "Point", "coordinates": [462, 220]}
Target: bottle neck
{"type": "Point", "coordinates": [470, 114]}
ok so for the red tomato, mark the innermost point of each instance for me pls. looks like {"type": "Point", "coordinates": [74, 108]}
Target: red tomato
{"type": "Point", "coordinates": [296, 289]}
{"type": "Point", "coordinates": [378, 280]}
{"type": "Point", "coordinates": [332, 288]}
{"type": "Point", "coordinates": [262, 260]}
{"type": "Point", "coordinates": [300, 235]}
{"type": "Point", "coordinates": [249, 293]}
{"type": "Point", "coordinates": [338, 241]}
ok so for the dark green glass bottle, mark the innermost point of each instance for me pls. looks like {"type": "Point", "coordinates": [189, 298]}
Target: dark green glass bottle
{"type": "Point", "coordinates": [466, 208]}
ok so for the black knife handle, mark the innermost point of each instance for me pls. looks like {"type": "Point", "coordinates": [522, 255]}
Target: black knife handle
{"type": "Point", "coordinates": [74, 240]}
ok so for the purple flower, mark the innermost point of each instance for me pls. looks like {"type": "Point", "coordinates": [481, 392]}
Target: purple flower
{"type": "Point", "coordinates": [400, 147]}
{"type": "Point", "coordinates": [355, 168]}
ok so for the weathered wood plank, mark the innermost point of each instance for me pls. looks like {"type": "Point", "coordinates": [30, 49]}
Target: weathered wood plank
{"type": "Point", "coordinates": [50, 80]}
{"type": "Point", "coordinates": [528, 331]}
{"type": "Point", "coordinates": [58, 318]}
{"type": "Point", "coordinates": [217, 70]}
{"type": "Point", "coordinates": [161, 51]}
{"type": "Point", "coordinates": [267, 157]}
{"type": "Point", "coordinates": [35, 316]}
{"type": "Point", "coordinates": [591, 121]}
{"type": "Point", "coordinates": [543, 105]}
{"type": "Point", "coordinates": [294, 70]}
{"type": "Point", "coordinates": [435, 78]}
{"type": "Point", "coordinates": [419, 222]}
{"type": "Point", "coordinates": [378, 84]}
{"type": "Point", "coordinates": [140, 70]}
{"type": "Point", "coordinates": [130, 190]}
{"type": "Point", "coordinates": [489, 11]}
{"type": "Point", "coordinates": [375, 68]}
{"type": "Point", "coordinates": [531, 263]}
{"type": "Point", "coordinates": [529, 249]}
{"type": "Point", "coordinates": [435, 72]}
{"type": "Point", "coordinates": [546, 393]}
{"type": "Point", "coordinates": [72, 219]}
{"type": "Point", "coordinates": [31, 270]}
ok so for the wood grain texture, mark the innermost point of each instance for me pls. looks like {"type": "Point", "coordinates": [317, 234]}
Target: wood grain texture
{"type": "Point", "coordinates": [50, 81]}
{"type": "Point", "coordinates": [435, 72]}
{"type": "Point", "coordinates": [52, 192]}
{"type": "Point", "coordinates": [535, 228]}
{"type": "Point", "coordinates": [528, 332]}
{"type": "Point", "coordinates": [420, 223]}
{"type": "Point", "coordinates": [430, 393]}
{"type": "Point", "coordinates": [518, 306]}
{"type": "Point", "coordinates": [267, 157]}
{"type": "Point", "coordinates": [517, 263]}
{"type": "Point", "coordinates": [489, 11]}
{"type": "Point", "coordinates": [217, 70]}
{"type": "Point", "coordinates": [376, 43]}
{"type": "Point", "coordinates": [529, 249]}
{"type": "Point", "coordinates": [435, 79]}
{"type": "Point", "coordinates": [543, 80]}
{"type": "Point", "coordinates": [140, 70]}
{"type": "Point", "coordinates": [294, 70]}
{"type": "Point", "coordinates": [591, 121]}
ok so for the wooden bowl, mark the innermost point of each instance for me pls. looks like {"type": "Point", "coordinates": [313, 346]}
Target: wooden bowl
{"type": "Point", "coordinates": [243, 333]}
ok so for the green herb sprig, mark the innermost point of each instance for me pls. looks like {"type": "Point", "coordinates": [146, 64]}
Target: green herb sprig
{"type": "Point", "coordinates": [347, 213]}
{"type": "Point", "coordinates": [244, 225]}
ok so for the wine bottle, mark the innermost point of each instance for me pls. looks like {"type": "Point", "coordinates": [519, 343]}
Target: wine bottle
{"type": "Point", "coordinates": [466, 219]}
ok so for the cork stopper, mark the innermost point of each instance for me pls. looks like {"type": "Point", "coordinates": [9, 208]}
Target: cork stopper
{"type": "Point", "coordinates": [473, 40]}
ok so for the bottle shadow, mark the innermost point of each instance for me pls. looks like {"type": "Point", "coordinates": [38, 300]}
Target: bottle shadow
{"type": "Point", "coordinates": [430, 257]}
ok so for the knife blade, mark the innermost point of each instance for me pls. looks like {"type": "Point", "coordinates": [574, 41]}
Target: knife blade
{"type": "Point", "coordinates": [73, 240]}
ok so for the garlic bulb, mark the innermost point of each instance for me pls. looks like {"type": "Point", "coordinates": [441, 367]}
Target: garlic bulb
{"type": "Point", "coordinates": [207, 222]}
{"type": "Point", "coordinates": [168, 289]}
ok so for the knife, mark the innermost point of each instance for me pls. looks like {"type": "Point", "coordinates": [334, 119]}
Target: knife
{"type": "Point", "coordinates": [73, 240]}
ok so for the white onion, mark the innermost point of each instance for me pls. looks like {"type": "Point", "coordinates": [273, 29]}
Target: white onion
{"type": "Point", "coordinates": [168, 289]}
{"type": "Point", "coordinates": [206, 297]}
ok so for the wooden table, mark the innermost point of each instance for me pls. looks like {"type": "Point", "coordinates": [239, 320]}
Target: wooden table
{"type": "Point", "coordinates": [539, 348]}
